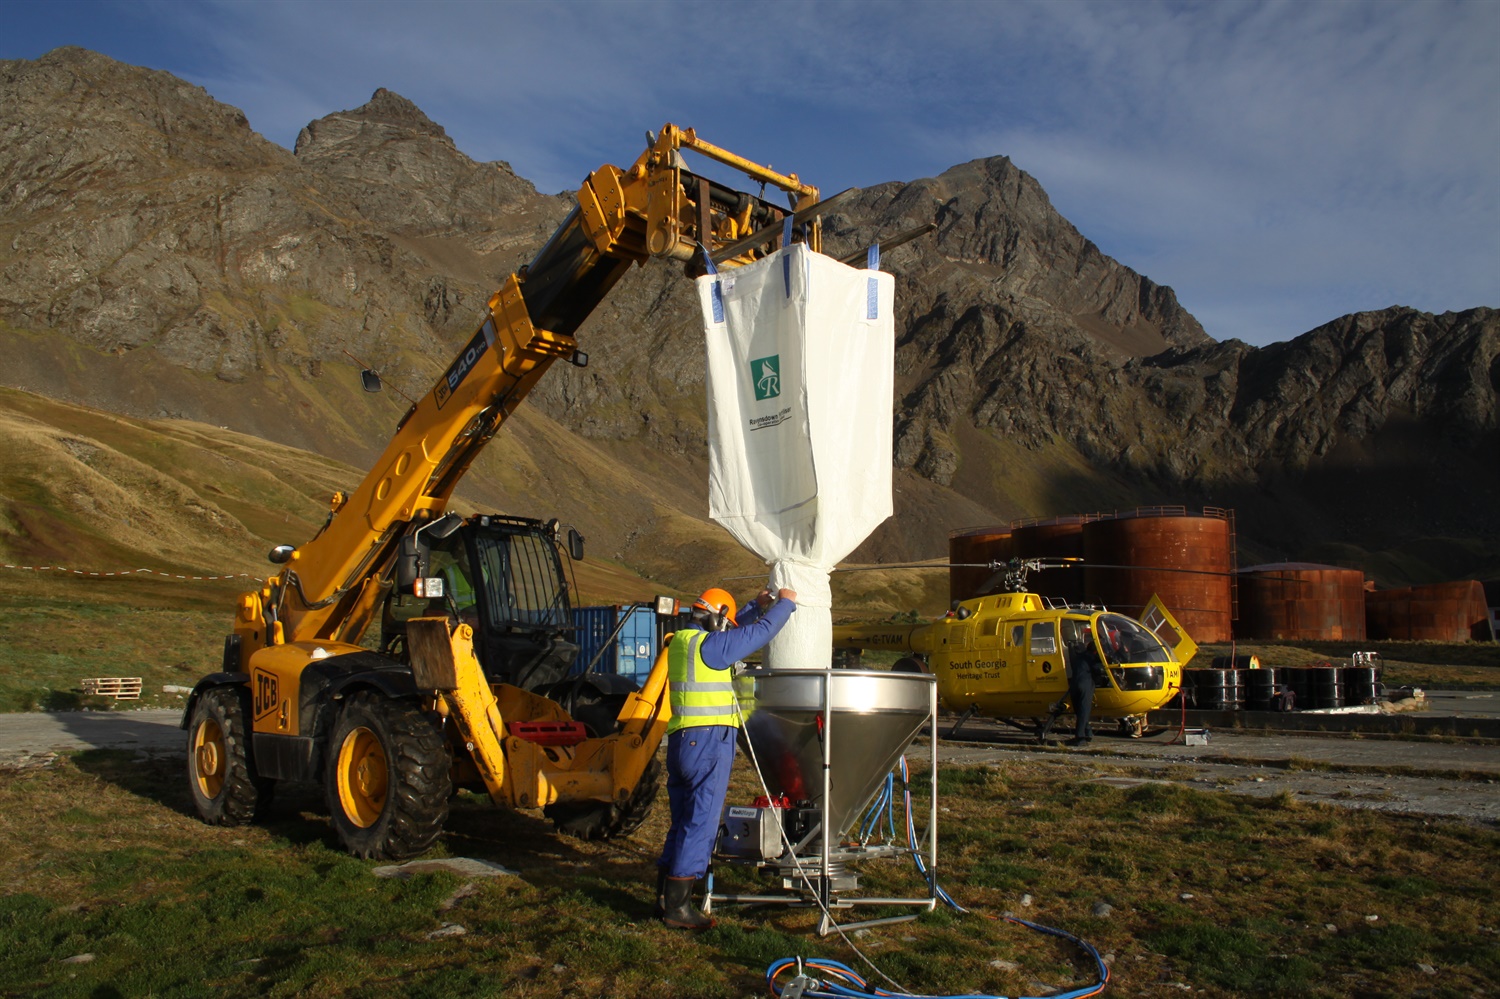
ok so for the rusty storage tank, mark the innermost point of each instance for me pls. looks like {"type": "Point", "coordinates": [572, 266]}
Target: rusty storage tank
{"type": "Point", "coordinates": [1437, 612]}
{"type": "Point", "coordinates": [1055, 537]}
{"type": "Point", "coordinates": [1188, 559]}
{"type": "Point", "coordinates": [1301, 600]}
{"type": "Point", "coordinates": [975, 546]}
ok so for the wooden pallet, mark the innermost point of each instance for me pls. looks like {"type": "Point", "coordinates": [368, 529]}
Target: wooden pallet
{"type": "Point", "coordinates": [121, 688]}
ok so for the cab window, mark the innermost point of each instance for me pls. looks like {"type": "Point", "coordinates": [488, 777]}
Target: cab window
{"type": "Point", "coordinates": [1017, 634]}
{"type": "Point", "coordinates": [1043, 638]}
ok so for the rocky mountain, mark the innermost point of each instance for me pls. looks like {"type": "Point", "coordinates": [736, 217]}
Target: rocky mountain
{"type": "Point", "coordinates": [160, 259]}
{"type": "Point", "coordinates": [147, 226]}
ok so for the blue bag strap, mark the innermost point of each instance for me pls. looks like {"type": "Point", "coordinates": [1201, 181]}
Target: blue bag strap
{"type": "Point", "coordinates": [872, 289]}
{"type": "Point", "coordinates": [716, 293]}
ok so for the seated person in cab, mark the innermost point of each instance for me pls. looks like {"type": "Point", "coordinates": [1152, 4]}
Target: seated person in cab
{"type": "Point", "coordinates": [459, 597]}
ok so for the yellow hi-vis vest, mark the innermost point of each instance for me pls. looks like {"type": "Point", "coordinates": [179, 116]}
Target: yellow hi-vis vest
{"type": "Point", "coordinates": [699, 694]}
{"type": "Point", "coordinates": [459, 588]}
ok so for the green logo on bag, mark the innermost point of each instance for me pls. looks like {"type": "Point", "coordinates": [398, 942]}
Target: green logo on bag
{"type": "Point", "coordinates": [766, 373]}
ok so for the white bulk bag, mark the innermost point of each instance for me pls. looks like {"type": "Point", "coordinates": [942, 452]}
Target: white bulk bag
{"type": "Point", "coordinates": [801, 359]}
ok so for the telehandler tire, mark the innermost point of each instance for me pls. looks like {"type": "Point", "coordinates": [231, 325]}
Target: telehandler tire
{"type": "Point", "coordinates": [221, 774]}
{"type": "Point", "coordinates": [389, 777]}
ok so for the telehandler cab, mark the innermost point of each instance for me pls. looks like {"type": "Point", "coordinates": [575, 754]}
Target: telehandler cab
{"type": "Point", "coordinates": [467, 687]}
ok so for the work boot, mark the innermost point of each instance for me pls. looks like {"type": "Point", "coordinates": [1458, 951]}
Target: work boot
{"type": "Point", "coordinates": [659, 909]}
{"type": "Point", "coordinates": [679, 906]}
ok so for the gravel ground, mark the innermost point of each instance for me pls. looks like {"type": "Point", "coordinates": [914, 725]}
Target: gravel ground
{"type": "Point", "coordinates": [1444, 778]}
{"type": "Point", "coordinates": [1455, 779]}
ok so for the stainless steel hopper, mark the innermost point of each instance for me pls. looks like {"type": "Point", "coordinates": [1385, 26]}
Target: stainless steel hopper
{"type": "Point", "coordinates": [824, 740]}
{"type": "Point", "coordinates": [869, 719]}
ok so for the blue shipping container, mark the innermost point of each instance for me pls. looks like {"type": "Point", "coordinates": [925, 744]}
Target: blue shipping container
{"type": "Point", "coordinates": [637, 645]}
{"type": "Point", "coordinates": [593, 625]}
{"type": "Point", "coordinates": [633, 652]}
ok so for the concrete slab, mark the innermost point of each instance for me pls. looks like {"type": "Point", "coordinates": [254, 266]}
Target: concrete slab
{"type": "Point", "coordinates": [154, 730]}
{"type": "Point", "coordinates": [466, 866]}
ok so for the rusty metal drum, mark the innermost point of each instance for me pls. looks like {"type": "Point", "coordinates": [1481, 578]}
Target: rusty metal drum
{"type": "Point", "coordinates": [1301, 600]}
{"type": "Point", "coordinates": [1187, 560]}
{"type": "Point", "coordinates": [1215, 689]}
{"type": "Point", "coordinates": [1260, 687]}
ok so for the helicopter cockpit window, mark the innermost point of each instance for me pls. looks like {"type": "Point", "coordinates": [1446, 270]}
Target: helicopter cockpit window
{"type": "Point", "coordinates": [1043, 638]}
{"type": "Point", "coordinates": [1128, 641]}
{"type": "Point", "coordinates": [1017, 635]}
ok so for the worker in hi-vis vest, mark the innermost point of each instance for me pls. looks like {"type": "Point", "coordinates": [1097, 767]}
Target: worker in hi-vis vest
{"type": "Point", "coordinates": [701, 735]}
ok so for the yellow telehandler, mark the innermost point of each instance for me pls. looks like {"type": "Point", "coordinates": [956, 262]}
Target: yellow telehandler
{"type": "Point", "coordinates": [470, 686]}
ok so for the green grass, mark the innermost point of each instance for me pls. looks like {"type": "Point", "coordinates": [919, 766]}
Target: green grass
{"type": "Point", "coordinates": [57, 631]}
{"type": "Point", "coordinates": [100, 854]}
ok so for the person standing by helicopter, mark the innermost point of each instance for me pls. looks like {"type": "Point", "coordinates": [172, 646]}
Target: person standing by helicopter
{"type": "Point", "coordinates": [1083, 662]}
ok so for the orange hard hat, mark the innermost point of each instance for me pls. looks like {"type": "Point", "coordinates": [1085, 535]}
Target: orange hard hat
{"type": "Point", "coordinates": [717, 601]}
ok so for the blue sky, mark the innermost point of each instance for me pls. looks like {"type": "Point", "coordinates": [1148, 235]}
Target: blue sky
{"type": "Point", "coordinates": [1277, 164]}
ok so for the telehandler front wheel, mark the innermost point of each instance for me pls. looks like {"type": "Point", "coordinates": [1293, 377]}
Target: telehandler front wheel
{"type": "Point", "coordinates": [389, 777]}
{"type": "Point", "coordinates": [221, 774]}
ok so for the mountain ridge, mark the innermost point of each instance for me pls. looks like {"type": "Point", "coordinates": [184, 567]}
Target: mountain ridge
{"type": "Point", "coordinates": [159, 258]}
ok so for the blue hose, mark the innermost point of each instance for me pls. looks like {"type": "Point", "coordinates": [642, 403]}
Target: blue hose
{"type": "Point", "coordinates": [839, 981]}
{"type": "Point", "coordinates": [884, 801]}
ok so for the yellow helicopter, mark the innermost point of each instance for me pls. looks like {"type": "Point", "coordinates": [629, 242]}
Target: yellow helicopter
{"type": "Point", "coordinates": [1005, 655]}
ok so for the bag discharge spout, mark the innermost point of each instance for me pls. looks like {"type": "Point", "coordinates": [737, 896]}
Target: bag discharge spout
{"type": "Point", "coordinates": [801, 371]}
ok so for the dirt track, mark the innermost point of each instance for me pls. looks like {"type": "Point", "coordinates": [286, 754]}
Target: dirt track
{"type": "Point", "coordinates": [1454, 780]}
{"type": "Point", "coordinates": [1447, 778]}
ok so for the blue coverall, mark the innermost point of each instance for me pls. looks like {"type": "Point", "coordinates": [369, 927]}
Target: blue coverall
{"type": "Point", "coordinates": [699, 757]}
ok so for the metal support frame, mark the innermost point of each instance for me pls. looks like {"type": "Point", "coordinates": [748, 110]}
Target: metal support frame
{"type": "Point", "coordinates": [827, 900]}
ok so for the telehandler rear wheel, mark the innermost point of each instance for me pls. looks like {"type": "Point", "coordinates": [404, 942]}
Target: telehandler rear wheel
{"type": "Point", "coordinates": [389, 777]}
{"type": "Point", "coordinates": [221, 775]}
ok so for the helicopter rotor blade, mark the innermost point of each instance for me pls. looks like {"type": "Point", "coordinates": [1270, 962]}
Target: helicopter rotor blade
{"type": "Point", "coordinates": [1003, 569]}
{"type": "Point", "coordinates": [1059, 562]}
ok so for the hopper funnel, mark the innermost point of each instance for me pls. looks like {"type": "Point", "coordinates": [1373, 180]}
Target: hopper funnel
{"type": "Point", "coordinates": [863, 719]}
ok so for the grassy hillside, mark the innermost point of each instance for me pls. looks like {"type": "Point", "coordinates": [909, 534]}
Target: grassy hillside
{"type": "Point", "coordinates": [118, 509]}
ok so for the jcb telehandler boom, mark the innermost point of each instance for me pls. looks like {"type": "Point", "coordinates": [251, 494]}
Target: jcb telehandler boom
{"type": "Point", "coordinates": [466, 688]}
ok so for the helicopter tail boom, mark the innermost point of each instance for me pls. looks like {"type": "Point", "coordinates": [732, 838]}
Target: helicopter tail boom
{"type": "Point", "coordinates": [883, 637]}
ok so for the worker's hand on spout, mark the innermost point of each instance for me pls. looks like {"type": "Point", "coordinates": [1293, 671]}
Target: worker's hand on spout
{"type": "Point", "coordinates": [765, 598]}
{"type": "Point", "coordinates": [786, 594]}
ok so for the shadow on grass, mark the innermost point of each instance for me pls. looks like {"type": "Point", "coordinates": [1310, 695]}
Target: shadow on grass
{"type": "Point", "coordinates": [163, 781]}
{"type": "Point", "coordinates": [615, 875]}
{"type": "Point", "coordinates": [619, 875]}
